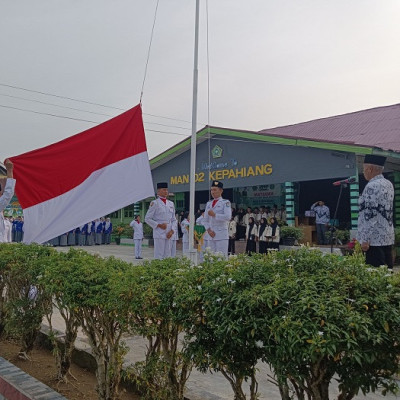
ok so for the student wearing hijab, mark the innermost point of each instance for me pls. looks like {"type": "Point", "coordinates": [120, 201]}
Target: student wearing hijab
{"type": "Point", "coordinates": [107, 231]}
{"type": "Point", "coordinates": [251, 236]}
{"type": "Point", "coordinates": [262, 236]}
{"type": "Point", "coordinates": [273, 234]}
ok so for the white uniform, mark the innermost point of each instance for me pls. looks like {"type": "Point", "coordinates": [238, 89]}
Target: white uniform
{"type": "Point", "coordinates": [7, 231]}
{"type": "Point", "coordinates": [218, 224]}
{"type": "Point", "coordinates": [185, 238]}
{"type": "Point", "coordinates": [160, 213]}
{"type": "Point", "coordinates": [268, 233]}
{"type": "Point", "coordinates": [245, 220]}
{"type": "Point", "coordinates": [4, 201]}
{"type": "Point", "coordinates": [174, 238]}
{"type": "Point", "coordinates": [137, 237]}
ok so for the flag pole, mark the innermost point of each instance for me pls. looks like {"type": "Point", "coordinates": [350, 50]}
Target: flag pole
{"type": "Point", "coordinates": [192, 251]}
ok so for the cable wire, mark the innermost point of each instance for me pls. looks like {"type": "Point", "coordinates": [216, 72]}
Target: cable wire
{"type": "Point", "coordinates": [60, 97]}
{"type": "Point", "coordinates": [84, 101]}
{"type": "Point", "coordinates": [49, 114]}
{"type": "Point", "coordinates": [54, 105]}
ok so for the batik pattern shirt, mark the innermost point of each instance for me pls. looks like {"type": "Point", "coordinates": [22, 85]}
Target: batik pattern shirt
{"type": "Point", "coordinates": [322, 214]}
{"type": "Point", "coordinates": [375, 218]}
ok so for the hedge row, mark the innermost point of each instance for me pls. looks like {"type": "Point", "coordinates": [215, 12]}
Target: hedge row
{"type": "Point", "coordinates": [311, 317]}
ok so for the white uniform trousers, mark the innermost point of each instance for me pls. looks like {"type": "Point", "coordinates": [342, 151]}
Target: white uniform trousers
{"type": "Point", "coordinates": [185, 248]}
{"type": "Point", "coordinates": [162, 248]}
{"type": "Point", "coordinates": [219, 246]}
{"type": "Point", "coordinates": [138, 247]}
{"type": "Point", "coordinates": [173, 248]}
{"type": "Point", "coordinates": [98, 238]}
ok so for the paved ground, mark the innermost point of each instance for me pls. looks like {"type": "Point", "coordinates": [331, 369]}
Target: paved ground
{"type": "Point", "coordinates": [200, 386]}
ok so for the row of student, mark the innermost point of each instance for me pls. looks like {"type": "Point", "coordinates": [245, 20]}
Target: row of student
{"type": "Point", "coordinates": [258, 213]}
{"type": "Point", "coordinates": [92, 233]}
{"type": "Point", "coordinates": [266, 234]}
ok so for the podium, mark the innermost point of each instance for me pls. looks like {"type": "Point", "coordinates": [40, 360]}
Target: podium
{"type": "Point", "coordinates": [307, 225]}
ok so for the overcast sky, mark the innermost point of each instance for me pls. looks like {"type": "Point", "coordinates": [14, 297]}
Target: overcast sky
{"type": "Point", "coordinates": [271, 63]}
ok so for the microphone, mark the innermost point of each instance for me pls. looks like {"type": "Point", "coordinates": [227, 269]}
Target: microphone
{"type": "Point", "coordinates": [352, 179]}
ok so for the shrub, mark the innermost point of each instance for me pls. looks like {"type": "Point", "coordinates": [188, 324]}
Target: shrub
{"type": "Point", "coordinates": [291, 232]}
{"type": "Point", "coordinates": [326, 315]}
{"type": "Point", "coordinates": [56, 286]}
{"type": "Point", "coordinates": [151, 292]}
{"type": "Point", "coordinates": [24, 300]}
{"type": "Point", "coordinates": [92, 288]}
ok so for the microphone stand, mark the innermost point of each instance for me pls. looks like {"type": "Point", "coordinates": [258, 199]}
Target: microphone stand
{"type": "Point", "coordinates": [332, 228]}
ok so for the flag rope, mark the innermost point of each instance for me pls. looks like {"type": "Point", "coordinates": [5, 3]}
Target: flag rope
{"type": "Point", "coordinates": [148, 53]}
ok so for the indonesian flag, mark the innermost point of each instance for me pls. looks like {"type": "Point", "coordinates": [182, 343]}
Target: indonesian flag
{"type": "Point", "coordinates": [84, 177]}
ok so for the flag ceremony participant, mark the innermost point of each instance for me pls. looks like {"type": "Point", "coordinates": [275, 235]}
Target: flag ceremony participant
{"type": "Point", "coordinates": [185, 231]}
{"type": "Point", "coordinates": [232, 235]}
{"type": "Point", "coordinates": [217, 215]}
{"type": "Point", "coordinates": [63, 239]}
{"type": "Point", "coordinates": [91, 233]}
{"type": "Point", "coordinates": [60, 187]}
{"type": "Point", "coordinates": [19, 230]}
{"type": "Point", "coordinates": [137, 236]}
{"type": "Point", "coordinates": [71, 238]}
{"type": "Point", "coordinates": [82, 234]}
{"type": "Point", "coordinates": [175, 236]}
{"type": "Point", "coordinates": [161, 217]}
{"type": "Point", "coordinates": [7, 233]}
{"type": "Point", "coordinates": [375, 219]}
{"type": "Point", "coordinates": [98, 227]}
{"type": "Point", "coordinates": [6, 194]}
{"type": "Point", "coordinates": [107, 231]}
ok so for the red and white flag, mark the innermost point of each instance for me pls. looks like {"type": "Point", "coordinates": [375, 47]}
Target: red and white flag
{"type": "Point", "coordinates": [84, 177]}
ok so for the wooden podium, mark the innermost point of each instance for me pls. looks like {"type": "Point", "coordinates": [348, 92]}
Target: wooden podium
{"type": "Point", "coordinates": [309, 234]}
{"type": "Point", "coordinates": [307, 225]}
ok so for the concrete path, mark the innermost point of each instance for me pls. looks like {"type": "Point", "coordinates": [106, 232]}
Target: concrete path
{"type": "Point", "coordinates": [200, 386]}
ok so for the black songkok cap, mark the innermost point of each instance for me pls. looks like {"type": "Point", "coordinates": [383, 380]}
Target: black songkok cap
{"type": "Point", "coordinates": [217, 184]}
{"type": "Point", "coordinates": [374, 160]}
{"type": "Point", "coordinates": [162, 185]}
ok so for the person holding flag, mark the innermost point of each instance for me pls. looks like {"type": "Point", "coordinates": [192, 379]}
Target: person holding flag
{"type": "Point", "coordinates": [61, 182]}
{"type": "Point", "coordinates": [7, 187]}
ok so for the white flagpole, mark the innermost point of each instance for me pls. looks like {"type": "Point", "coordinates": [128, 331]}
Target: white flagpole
{"type": "Point", "coordinates": [192, 251]}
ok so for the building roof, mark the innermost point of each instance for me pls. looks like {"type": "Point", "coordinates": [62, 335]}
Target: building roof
{"type": "Point", "coordinates": [372, 131]}
{"type": "Point", "coordinates": [376, 127]}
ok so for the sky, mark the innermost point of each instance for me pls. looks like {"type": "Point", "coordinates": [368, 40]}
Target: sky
{"type": "Point", "coordinates": [268, 63]}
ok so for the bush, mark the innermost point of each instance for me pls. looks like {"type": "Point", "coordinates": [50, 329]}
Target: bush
{"type": "Point", "coordinates": [24, 300]}
{"type": "Point", "coordinates": [123, 230]}
{"type": "Point", "coordinates": [322, 315]}
{"type": "Point", "coordinates": [343, 235]}
{"type": "Point", "coordinates": [312, 317]}
{"type": "Point", "coordinates": [292, 232]}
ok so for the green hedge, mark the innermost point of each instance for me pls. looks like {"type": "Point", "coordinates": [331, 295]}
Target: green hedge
{"type": "Point", "coordinates": [312, 317]}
